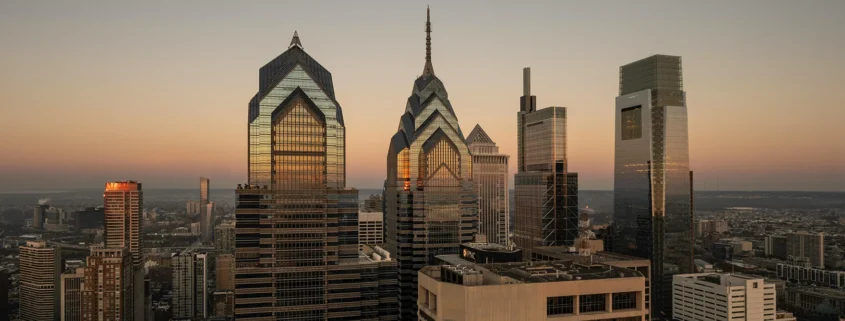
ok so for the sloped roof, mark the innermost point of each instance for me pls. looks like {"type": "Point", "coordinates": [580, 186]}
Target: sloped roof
{"type": "Point", "coordinates": [478, 135]}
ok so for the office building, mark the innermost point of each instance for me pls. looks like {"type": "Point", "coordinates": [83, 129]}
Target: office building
{"type": "Point", "coordinates": [775, 246]}
{"type": "Point", "coordinates": [190, 285]}
{"type": "Point", "coordinates": [225, 272]}
{"type": "Point", "coordinates": [38, 214]}
{"type": "Point", "coordinates": [816, 303]}
{"type": "Point", "coordinates": [206, 212]}
{"type": "Point", "coordinates": [296, 199]}
{"type": "Point", "coordinates": [224, 305]}
{"type": "Point", "coordinates": [107, 289]}
{"type": "Point", "coordinates": [553, 290]}
{"type": "Point", "coordinates": [192, 207]}
{"type": "Point", "coordinates": [653, 215]}
{"type": "Point", "coordinates": [89, 218]}
{"type": "Point", "coordinates": [70, 298]}
{"type": "Point", "coordinates": [124, 203]}
{"type": "Point", "coordinates": [804, 274]}
{"type": "Point", "coordinates": [370, 228]}
{"type": "Point", "coordinates": [707, 297]}
{"type": "Point", "coordinates": [429, 195]}
{"type": "Point", "coordinates": [374, 203]}
{"type": "Point", "coordinates": [479, 252]}
{"type": "Point", "coordinates": [40, 266]}
{"type": "Point", "coordinates": [707, 227]}
{"type": "Point", "coordinates": [806, 244]}
{"type": "Point", "coordinates": [545, 192]}
{"type": "Point", "coordinates": [224, 238]}
{"type": "Point", "coordinates": [490, 176]}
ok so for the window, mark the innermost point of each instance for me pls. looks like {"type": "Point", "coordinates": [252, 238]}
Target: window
{"type": "Point", "coordinates": [592, 303]}
{"type": "Point", "coordinates": [624, 300]}
{"type": "Point", "coordinates": [559, 305]}
{"type": "Point", "coordinates": [632, 122]}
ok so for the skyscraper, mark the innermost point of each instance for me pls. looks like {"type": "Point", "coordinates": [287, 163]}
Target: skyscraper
{"type": "Point", "coordinates": [545, 192]}
{"type": "Point", "coordinates": [430, 200]}
{"type": "Point", "coordinates": [206, 219]}
{"type": "Point", "coordinates": [652, 196]}
{"type": "Point", "coordinates": [190, 285]}
{"type": "Point", "coordinates": [107, 286]}
{"type": "Point", "coordinates": [71, 295]}
{"type": "Point", "coordinates": [124, 203]}
{"type": "Point", "coordinates": [490, 175]}
{"type": "Point", "coordinates": [807, 245]}
{"type": "Point", "coordinates": [40, 266]}
{"type": "Point", "coordinates": [224, 238]}
{"type": "Point", "coordinates": [296, 228]}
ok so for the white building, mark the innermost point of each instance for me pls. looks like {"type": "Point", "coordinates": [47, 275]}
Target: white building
{"type": "Point", "coordinates": [370, 228]}
{"type": "Point", "coordinates": [722, 296]}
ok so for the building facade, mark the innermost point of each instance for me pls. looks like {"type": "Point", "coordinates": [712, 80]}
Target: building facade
{"type": "Point", "coordinates": [224, 272]}
{"type": "Point", "coordinates": [707, 297]}
{"type": "Point", "coordinates": [190, 285]}
{"type": "Point", "coordinates": [555, 290]}
{"type": "Point", "coordinates": [40, 266]}
{"type": "Point", "coordinates": [206, 211]}
{"type": "Point", "coordinates": [545, 192]}
{"type": "Point", "coordinates": [371, 228]}
{"type": "Point", "coordinates": [490, 176]}
{"type": "Point", "coordinates": [123, 204]}
{"type": "Point", "coordinates": [107, 289]}
{"type": "Point", "coordinates": [224, 238]}
{"type": "Point", "coordinates": [192, 207]}
{"type": "Point", "coordinates": [806, 244]}
{"type": "Point", "coordinates": [775, 246]}
{"type": "Point", "coordinates": [296, 201]}
{"type": "Point", "coordinates": [71, 295]}
{"type": "Point", "coordinates": [430, 200]}
{"type": "Point", "coordinates": [653, 215]}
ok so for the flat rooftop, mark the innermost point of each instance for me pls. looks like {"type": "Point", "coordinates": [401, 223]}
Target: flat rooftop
{"type": "Point", "coordinates": [532, 272]}
{"type": "Point", "coordinates": [491, 247]}
{"type": "Point", "coordinates": [564, 253]}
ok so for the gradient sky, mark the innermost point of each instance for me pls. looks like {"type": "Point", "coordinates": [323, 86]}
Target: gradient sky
{"type": "Point", "coordinates": [157, 91]}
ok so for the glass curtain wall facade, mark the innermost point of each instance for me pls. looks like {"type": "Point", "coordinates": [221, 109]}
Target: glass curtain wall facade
{"type": "Point", "coordinates": [206, 219]}
{"type": "Point", "coordinates": [653, 215]}
{"type": "Point", "coordinates": [296, 238]}
{"type": "Point", "coordinates": [490, 175]}
{"type": "Point", "coordinates": [545, 192]}
{"type": "Point", "coordinates": [431, 205]}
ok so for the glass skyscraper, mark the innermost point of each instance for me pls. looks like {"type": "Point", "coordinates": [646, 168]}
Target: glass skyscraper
{"type": "Point", "coordinates": [653, 215]}
{"type": "Point", "coordinates": [490, 175]}
{"type": "Point", "coordinates": [545, 192]}
{"type": "Point", "coordinates": [296, 230]}
{"type": "Point", "coordinates": [430, 201]}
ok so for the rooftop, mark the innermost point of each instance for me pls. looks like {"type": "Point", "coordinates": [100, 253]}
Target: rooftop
{"type": "Point", "coordinates": [531, 272]}
{"type": "Point", "coordinates": [490, 247]}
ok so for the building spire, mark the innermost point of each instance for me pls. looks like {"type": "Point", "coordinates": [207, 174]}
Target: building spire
{"type": "Point", "coordinates": [429, 69]}
{"type": "Point", "coordinates": [295, 41]}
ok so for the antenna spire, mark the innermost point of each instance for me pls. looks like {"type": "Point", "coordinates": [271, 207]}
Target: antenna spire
{"type": "Point", "coordinates": [429, 69]}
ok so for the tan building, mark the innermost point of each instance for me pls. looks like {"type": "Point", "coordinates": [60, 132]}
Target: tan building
{"type": "Point", "coordinates": [551, 290]}
{"type": "Point", "coordinates": [722, 296]}
{"type": "Point", "coordinates": [370, 228]}
{"type": "Point", "coordinates": [490, 175]}
{"type": "Point", "coordinates": [224, 304]}
{"type": "Point", "coordinates": [224, 238]}
{"type": "Point", "coordinates": [40, 266]}
{"type": "Point", "coordinates": [71, 295]}
{"type": "Point", "coordinates": [225, 272]}
{"type": "Point", "coordinates": [107, 287]}
{"type": "Point", "coordinates": [806, 244]}
{"type": "Point", "coordinates": [124, 202]}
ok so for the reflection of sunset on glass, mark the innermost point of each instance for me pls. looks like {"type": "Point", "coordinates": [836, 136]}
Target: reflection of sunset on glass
{"type": "Point", "coordinates": [158, 92]}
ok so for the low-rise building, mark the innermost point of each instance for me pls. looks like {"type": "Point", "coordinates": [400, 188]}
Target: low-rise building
{"type": "Point", "coordinates": [722, 296]}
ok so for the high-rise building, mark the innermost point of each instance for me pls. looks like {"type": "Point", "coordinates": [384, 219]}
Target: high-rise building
{"type": "Point", "coordinates": [430, 200]}
{"type": "Point", "coordinates": [71, 295]}
{"type": "Point", "coordinates": [206, 211]}
{"type": "Point", "coordinates": [107, 289]}
{"type": "Point", "coordinates": [224, 304]}
{"type": "Point", "coordinates": [123, 202]}
{"type": "Point", "coordinates": [190, 285]}
{"type": "Point", "coordinates": [490, 175]}
{"type": "Point", "coordinates": [545, 192]}
{"type": "Point", "coordinates": [296, 200]}
{"type": "Point", "coordinates": [40, 266]}
{"type": "Point", "coordinates": [38, 215]}
{"type": "Point", "coordinates": [553, 290]}
{"type": "Point", "coordinates": [775, 246]}
{"type": "Point", "coordinates": [5, 286]}
{"type": "Point", "coordinates": [89, 218]}
{"type": "Point", "coordinates": [707, 227]}
{"type": "Point", "coordinates": [225, 272]}
{"type": "Point", "coordinates": [711, 296]}
{"type": "Point", "coordinates": [371, 228]}
{"type": "Point", "coordinates": [806, 244]}
{"type": "Point", "coordinates": [192, 207]}
{"type": "Point", "coordinates": [653, 215]}
{"type": "Point", "coordinates": [224, 238]}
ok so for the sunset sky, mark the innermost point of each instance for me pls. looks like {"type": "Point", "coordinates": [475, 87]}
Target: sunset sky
{"type": "Point", "coordinates": [157, 91]}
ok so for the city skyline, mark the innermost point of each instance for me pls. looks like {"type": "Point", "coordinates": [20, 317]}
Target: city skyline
{"type": "Point", "coordinates": [738, 133]}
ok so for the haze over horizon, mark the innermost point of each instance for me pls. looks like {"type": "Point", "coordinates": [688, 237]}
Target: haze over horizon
{"type": "Point", "coordinates": [157, 92]}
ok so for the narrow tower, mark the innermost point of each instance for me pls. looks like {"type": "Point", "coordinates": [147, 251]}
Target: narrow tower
{"type": "Point", "coordinates": [430, 200]}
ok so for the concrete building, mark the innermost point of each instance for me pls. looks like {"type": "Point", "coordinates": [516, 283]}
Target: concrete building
{"type": "Point", "coordinates": [224, 304]}
{"type": "Point", "coordinates": [809, 300]}
{"type": "Point", "coordinates": [107, 289]}
{"type": "Point", "coordinates": [804, 274]}
{"type": "Point", "coordinates": [370, 228]}
{"type": "Point", "coordinates": [206, 213]}
{"type": "Point", "coordinates": [806, 244]}
{"type": "Point", "coordinates": [554, 290]}
{"type": "Point", "coordinates": [729, 297]}
{"type": "Point", "coordinates": [486, 253]}
{"type": "Point", "coordinates": [775, 246]}
{"type": "Point", "coordinates": [225, 272]}
{"type": "Point", "coordinates": [706, 227]}
{"type": "Point", "coordinates": [190, 285]}
{"type": "Point", "coordinates": [490, 176]}
{"type": "Point", "coordinates": [224, 238]}
{"type": "Point", "coordinates": [123, 203]}
{"type": "Point", "coordinates": [38, 214]}
{"type": "Point", "coordinates": [545, 192]}
{"type": "Point", "coordinates": [40, 266]}
{"type": "Point", "coordinates": [192, 207]}
{"type": "Point", "coordinates": [71, 295]}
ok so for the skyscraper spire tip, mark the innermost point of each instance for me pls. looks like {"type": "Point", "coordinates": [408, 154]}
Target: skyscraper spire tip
{"type": "Point", "coordinates": [428, 70]}
{"type": "Point", "coordinates": [295, 41]}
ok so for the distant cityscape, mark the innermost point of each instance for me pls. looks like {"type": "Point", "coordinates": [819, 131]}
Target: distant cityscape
{"type": "Point", "coordinates": [445, 238]}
